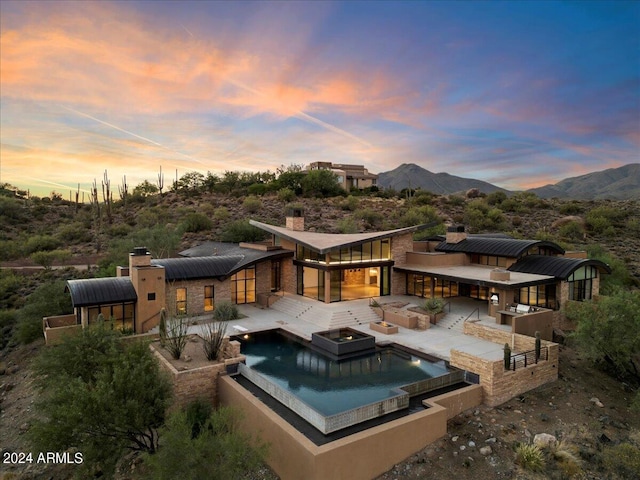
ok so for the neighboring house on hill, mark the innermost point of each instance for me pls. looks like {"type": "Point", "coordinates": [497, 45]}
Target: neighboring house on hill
{"type": "Point", "coordinates": [522, 281]}
{"type": "Point", "coordinates": [349, 176]}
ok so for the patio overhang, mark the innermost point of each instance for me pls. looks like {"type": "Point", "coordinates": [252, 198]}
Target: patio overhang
{"type": "Point", "coordinates": [476, 275]}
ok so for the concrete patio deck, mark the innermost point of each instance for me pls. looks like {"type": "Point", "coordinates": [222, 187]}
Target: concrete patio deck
{"type": "Point", "coordinates": [437, 340]}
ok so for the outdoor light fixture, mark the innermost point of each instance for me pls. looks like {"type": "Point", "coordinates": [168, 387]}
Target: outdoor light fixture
{"type": "Point", "coordinates": [495, 299]}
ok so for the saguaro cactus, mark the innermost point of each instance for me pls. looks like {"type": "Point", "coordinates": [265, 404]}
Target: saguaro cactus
{"type": "Point", "coordinates": [507, 356]}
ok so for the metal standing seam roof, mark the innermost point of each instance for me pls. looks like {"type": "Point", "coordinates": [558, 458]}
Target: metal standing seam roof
{"type": "Point", "coordinates": [501, 247]}
{"type": "Point", "coordinates": [101, 291]}
{"type": "Point", "coordinates": [204, 261]}
{"type": "Point", "coordinates": [325, 242]}
{"type": "Point", "coordinates": [558, 267]}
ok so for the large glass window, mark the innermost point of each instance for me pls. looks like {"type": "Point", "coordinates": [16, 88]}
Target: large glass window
{"type": "Point", "coordinates": [537, 295]}
{"type": "Point", "coordinates": [581, 283]}
{"type": "Point", "coordinates": [181, 301]}
{"type": "Point", "coordinates": [208, 298]}
{"type": "Point", "coordinates": [120, 315]}
{"type": "Point", "coordinates": [243, 286]}
{"type": "Point", "coordinates": [365, 252]}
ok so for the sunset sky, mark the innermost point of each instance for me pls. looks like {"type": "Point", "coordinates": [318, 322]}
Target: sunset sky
{"type": "Point", "coordinates": [519, 94]}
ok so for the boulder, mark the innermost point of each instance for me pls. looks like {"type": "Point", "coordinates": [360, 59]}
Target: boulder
{"type": "Point", "coordinates": [544, 440]}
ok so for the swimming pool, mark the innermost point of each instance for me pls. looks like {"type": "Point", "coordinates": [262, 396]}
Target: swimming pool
{"type": "Point", "coordinates": [355, 389]}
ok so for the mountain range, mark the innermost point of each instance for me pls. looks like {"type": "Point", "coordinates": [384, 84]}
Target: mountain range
{"type": "Point", "coordinates": [620, 183]}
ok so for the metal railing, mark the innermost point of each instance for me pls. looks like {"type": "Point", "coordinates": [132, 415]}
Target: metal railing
{"type": "Point", "coordinates": [477, 310]}
{"type": "Point", "coordinates": [522, 360]}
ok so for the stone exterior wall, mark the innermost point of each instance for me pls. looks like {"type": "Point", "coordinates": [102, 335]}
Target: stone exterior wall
{"type": "Point", "coordinates": [263, 278]}
{"type": "Point", "coordinates": [497, 384]}
{"type": "Point", "coordinates": [400, 245]}
{"type": "Point", "coordinates": [199, 383]}
{"type": "Point", "coordinates": [195, 294]}
{"type": "Point", "coordinates": [289, 271]}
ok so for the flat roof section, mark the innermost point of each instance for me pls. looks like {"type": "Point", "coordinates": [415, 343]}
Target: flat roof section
{"type": "Point", "coordinates": [477, 275]}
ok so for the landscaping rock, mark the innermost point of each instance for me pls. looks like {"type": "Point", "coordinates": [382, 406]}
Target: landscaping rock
{"type": "Point", "coordinates": [486, 450]}
{"type": "Point", "coordinates": [544, 439]}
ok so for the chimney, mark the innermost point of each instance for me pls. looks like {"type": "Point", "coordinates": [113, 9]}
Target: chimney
{"type": "Point", "coordinates": [295, 219]}
{"type": "Point", "coordinates": [140, 257]}
{"type": "Point", "coordinates": [456, 234]}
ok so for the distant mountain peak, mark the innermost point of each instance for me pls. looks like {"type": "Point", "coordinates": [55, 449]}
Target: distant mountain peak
{"type": "Point", "coordinates": [410, 175]}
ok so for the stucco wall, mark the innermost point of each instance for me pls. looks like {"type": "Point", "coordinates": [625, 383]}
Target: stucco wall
{"type": "Point", "coordinates": [437, 259]}
{"type": "Point", "coordinates": [361, 456]}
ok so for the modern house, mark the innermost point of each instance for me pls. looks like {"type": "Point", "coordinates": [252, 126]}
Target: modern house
{"type": "Point", "coordinates": [349, 176]}
{"type": "Point", "coordinates": [518, 280]}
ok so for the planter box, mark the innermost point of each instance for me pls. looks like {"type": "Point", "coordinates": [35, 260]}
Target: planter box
{"type": "Point", "coordinates": [385, 328]}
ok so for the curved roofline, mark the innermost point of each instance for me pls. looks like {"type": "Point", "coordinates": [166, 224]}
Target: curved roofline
{"type": "Point", "coordinates": [502, 247]}
{"type": "Point", "coordinates": [100, 291]}
{"type": "Point", "coordinates": [559, 267]}
{"type": "Point", "coordinates": [325, 242]}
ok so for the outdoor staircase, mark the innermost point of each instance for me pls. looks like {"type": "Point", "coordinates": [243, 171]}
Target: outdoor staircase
{"type": "Point", "coordinates": [325, 317]}
{"type": "Point", "coordinates": [453, 322]}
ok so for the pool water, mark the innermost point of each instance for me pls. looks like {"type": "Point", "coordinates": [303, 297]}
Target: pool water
{"type": "Point", "coordinates": [334, 386]}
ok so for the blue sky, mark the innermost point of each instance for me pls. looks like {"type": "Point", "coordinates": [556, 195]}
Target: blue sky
{"type": "Point", "coordinates": [519, 94]}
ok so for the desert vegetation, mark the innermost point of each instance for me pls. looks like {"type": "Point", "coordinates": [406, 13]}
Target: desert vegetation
{"type": "Point", "coordinates": [60, 235]}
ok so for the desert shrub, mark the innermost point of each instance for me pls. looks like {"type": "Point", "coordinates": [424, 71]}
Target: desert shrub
{"type": "Point", "coordinates": [433, 305]}
{"type": "Point", "coordinates": [512, 205]}
{"type": "Point", "coordinates": [225, 311]}
{"type": "Point", "coordinates": [516, 221]}
{"type": "Point", "coordinates": [176, 339]}
{"type": "Point", "coordinates": [371, 217]}
{"type": "Point", "coordinates": [48, 299]}
{"type": "Point", "coordinates": [350, 203]}
{"type": "Point", "coordinates": [39, 243]}
{"type": "Point", "coordinates": [221, 213]}
{"type": "Point", "coordinates": [571, 231]}
{"type": "Point", "coordinates": [252, 204]}
{"type": "Point", "coordinates": [620, 277]}
{"type": "Point", "coordinates": [10, 249]}
{"type": "Point", "coordinates": [11, 211]}
{"type": "Point", "coordinates": [422, 197]}
{"type": "Point", "coordinates": [8, 319]}
{"type": "Point", "coordinates": [603, 331]}
{"type": "Point", "coordinates": [286, 195]}
{"type": "Point", "coordinates": [622, 460]}
{"type": "Point", "coordinates": [496, 198]}
{"type": "Point", "coordinates": [75, 232]}
{"type": "Point", "coordinates": [570, 208]}
{"type": "Point", "coordinates": [148, 218]}
{"type": "Point", "coordinates": [598, 224]}
{"type": "Point", "coordinates": [455, 200]}
{"type": "Point", "coordinates": [214, 448]}
{"type": "Point", "coordinates": [530, 457]}
{"type": "Point", "coordinates": [347, 225]}
{"type": "Point", "coordinates": [196, 222]}
{"type": "Point", "coordinates": [213, 338]}
{"type": "Point", "coordinates": [10, 285]}
{"type": "Point", "coordinates": [567, 458]}
{"type": "Point", "coordinates": [633, 226]}
{"type": "Point", "coordinates": [100, 396]}
{"type": "Point", "coordinates": [47, 259]}
{"type": "Point", "coordinates": [257, 189]}
{"type": "Point", "coordinates": [121, 230]}
{"type": "Point", "coordinates": [242, 231]}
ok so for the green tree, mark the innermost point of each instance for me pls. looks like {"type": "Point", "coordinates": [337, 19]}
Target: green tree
{"type": "Point", "coordinates": [608, 331]}
{"type": "Point", "coordinates": [99, 395]}
{"type": "Point", "coordinates": [321, 183]}
{"type": "Point", "coordinates": [196, 222]}
{"type": "Point", "coordinates": [47, 259]}
{"type": "Point", "coordinates": [145, 189]}
{"type": "Point", "coordinates": [214, 448]}
{"type": "Point", "coordinates": [191, 183]}
{"type": "Point", "coordinates": [242, 231]}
